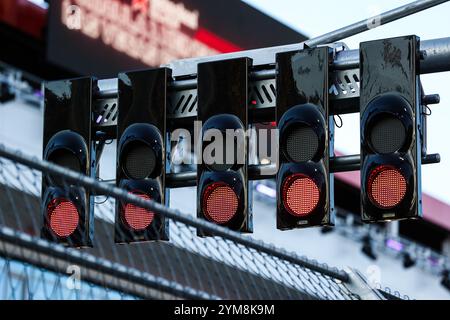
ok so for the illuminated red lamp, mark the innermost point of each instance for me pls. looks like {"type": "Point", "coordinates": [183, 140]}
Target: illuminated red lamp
{"type": "Point", "coordinates": [63, 217]}
{"type": "Point", "coordinates": [220, 203]}
{"type": "Point", "coordinates": [138, 218]}
{"type": "Point", "coordinates": [386, 187]}
{"type": "Point", "coordinates": [300, 195]}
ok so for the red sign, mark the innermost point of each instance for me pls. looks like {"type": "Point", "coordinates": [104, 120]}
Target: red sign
{"type": "Point", "coordinates": [151, 31]}
{"type": "Point", "coordinates": [103, 37]}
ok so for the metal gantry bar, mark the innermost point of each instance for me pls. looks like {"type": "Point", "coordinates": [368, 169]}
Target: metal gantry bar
{"type": "Point", "coordinates": [259, 172]}
{"type": "Point", "coordinates": [118, 193]}
{"type": "Point", "coordinates": [436, 59]}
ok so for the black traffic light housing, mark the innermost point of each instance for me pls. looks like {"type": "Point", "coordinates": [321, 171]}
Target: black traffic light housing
{"type": "Point", "coordinates": [304, 181]}
{"type": "Point", "coordinates": [391, 116]}
{"type": "Point", "coordinates": [141, 153]}
{"type": "Point", "coordinates": [223, 193]}
{"type": "Point", "coordinates": [67, 209]}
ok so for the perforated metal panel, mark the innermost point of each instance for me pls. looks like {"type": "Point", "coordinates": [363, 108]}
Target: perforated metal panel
{"type": "Point", "coordinates": [105, 112]}
{"type": "Point", "coordinates": [344, 84]}
{"type": "Point", "coordinates": [262, 94]}
{"type": "Point", "coordinates": [183, 104]}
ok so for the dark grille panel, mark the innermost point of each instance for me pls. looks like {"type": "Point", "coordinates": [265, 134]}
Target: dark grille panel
{"type": "Point", "coordinates": [140, 161]}
{"type": "Point", "coordinates": [302, 144]}
{"type": "Point", "coordinates": [388, 135]}
{"type": "Point", "coordinates": [65, 159]}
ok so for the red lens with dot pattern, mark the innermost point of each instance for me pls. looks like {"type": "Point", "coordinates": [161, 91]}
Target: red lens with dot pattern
{"type": "Point", "coordinates": [386, 187]}
{"type": "Point", "coordinates": [300, 195]}
{"type": "Point", "coordinates": [220, 203]}
{"type": "Point", "coordinates": [63, 217]}
{"type": "Point", "coordinates": [138, 218]}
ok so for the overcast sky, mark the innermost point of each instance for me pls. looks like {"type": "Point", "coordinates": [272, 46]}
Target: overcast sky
{"type": "Point", "coordinates": [314, 18]}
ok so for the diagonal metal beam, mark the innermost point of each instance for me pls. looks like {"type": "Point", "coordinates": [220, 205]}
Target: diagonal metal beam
{"type": "Point", "coordinates": [381, 19]}
{"type": "Point", "coordinates": [267, 55]}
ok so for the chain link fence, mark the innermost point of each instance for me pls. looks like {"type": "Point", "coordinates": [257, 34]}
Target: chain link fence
{"type": "Point", "coordinates": [227, 265]}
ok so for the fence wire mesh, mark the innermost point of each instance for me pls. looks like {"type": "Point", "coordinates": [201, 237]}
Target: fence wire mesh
{"type": "Point", "coordinates": [224, 266]}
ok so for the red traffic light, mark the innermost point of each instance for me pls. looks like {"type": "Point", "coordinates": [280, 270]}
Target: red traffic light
{"type": "Point", "coordinates": [220, 203]}
{"type": "Point", "coordinates": [137, 218]}
{"type": "Point", "coordinates": [300, 195]}
{"type": "Point", "coordinates": [63, 217]}
{"type": "Point", "coordinates": [386, 187]}
{"type": "Point", "coordinates": [222, 177]}
{"type": "Point", "coordinates": [68, 142]}
{"type": "Point", "coordinates": [304, 180]}
{"type": "Point", "coordinates": [141, 141]}
{"type": "Point", "coordinates": [391, 132]}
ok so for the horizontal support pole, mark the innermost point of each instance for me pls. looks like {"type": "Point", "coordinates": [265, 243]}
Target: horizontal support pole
{"type": "Point", "coordinates": [431, 99]}
{"type": "Point", "coordinates": [257, 172]}
{"type": "Point", "coordinates": [436, 57]}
